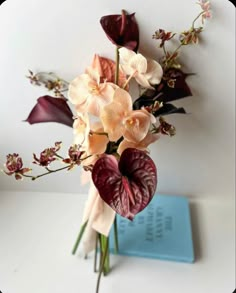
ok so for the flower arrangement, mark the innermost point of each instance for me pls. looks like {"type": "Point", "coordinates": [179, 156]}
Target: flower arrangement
{"type": "Point", "coordinates": [112, 130]}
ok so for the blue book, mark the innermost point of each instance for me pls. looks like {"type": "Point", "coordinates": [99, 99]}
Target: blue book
{"type": "Point", "coordinates": [162, 230]}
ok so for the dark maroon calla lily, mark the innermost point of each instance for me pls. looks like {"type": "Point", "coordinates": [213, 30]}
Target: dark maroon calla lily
{"type": "Point", "coordinates": [122, 30]}
{"type": "Point", "coordinates": [126, 186]}
{"type": "Point", "coordinates": [50, 109]}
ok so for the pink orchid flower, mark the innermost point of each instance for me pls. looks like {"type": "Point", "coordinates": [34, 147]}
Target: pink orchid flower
{"type": "Point", "coordinates": [146, 72]}
{"type": "Point", "coordinates": [119, 119]}
{"type": "Point", "coordinates": [88, 94]}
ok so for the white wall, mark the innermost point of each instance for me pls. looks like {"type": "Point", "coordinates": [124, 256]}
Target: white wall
{"type": "Point", "coordinates": [62, 36]}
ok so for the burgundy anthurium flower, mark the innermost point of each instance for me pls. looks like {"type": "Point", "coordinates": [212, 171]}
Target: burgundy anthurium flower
{"type": "Point", "coordinates": [126, 186]}
{"type": "Point", "coordinates": [122, 30]}
{"type": "Point", "coordinates": [50, 109]}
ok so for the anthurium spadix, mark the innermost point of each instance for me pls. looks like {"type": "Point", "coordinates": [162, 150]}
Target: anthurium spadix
{"type": "Point", "coordinates": [127, 185]}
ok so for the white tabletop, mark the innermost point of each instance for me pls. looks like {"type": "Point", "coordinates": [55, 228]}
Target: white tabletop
{"type": "Point", "coordinates": [38, 230]}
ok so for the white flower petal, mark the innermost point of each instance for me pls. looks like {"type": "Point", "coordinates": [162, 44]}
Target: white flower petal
{"type": "Point", "coordinates": [126, 55]}
{"type": "Point", "coordinates": [127, 69]}
{"type": "Point", "coordinates": [142, 80]}
{"type": "Point", "coordinates": [154, 72]}
{"type": "Point", "coordinates": [139, 63]}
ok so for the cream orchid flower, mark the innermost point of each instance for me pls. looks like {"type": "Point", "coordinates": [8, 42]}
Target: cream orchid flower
{"type": "Point", "coordinates": [119, 119]}
{"type": "Point", "coordinates": [141, 145]}
{"type": "Point", "coordinates": [88, 94]}
{"type": "Point", "coordinates": [137, 125]}
{"type": "Point", "coordinates": [146, 72]}
{"type": "Point", "coordinates": [113, 115]}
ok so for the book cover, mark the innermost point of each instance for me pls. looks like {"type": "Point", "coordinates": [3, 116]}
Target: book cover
{"type": "Point", "coordinates": [162, 230]}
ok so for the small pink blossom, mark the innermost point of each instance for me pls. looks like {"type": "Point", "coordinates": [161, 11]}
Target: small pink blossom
{"type": "Point", "coordinates": [74, 158]}
{"type": "Point", "coordinates": [205, 5]}
{"type": "Point", "coordinates": [47, 156]}
{"type": "Point", "coordinates": [14, 165]}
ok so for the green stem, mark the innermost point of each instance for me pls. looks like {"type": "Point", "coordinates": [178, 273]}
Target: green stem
{"type": "Point", "coordinates": [49, 172]}
{"type": "Point", "coordinates": [60, 157]}
{"type": "Point", "coordinates": [164, 49]}
{"type": "Point", "coordinates": [117, 66]}
{"type": "Point", "coordinates": [103, 260]}
{"type": "Point", "coordinates": [105, 243]}
{"type": "Point", "coordinates": [168, 59]}
{"type": "Point", "coordinates": [116, 236]}
{"type": "Point", "coordinates": [96, 253]}
{"type": "Point", "coordinates": [81, 232]}
{"type": "Point", "coordinates": [197, 18]}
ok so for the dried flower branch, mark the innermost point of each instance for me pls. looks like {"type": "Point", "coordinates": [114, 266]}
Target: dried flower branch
{"type": "Point", "coordinates": [190, 36]}
{"type": "Point", "coordinates": [50, 81]}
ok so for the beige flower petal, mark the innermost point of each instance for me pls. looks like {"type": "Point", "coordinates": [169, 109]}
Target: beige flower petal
{"type": "Point", "coordinates": [81, 129]}
{"type": "Point", "coordinates": [78, 89]}
{"type": "Point", "coordinates": [112, 117]}
{"type": "Point", "coordinates": [142, 145]}
{"type": "Point", "coordinates": [104, 220]}
{"type": "Point", "coordinates": [113, 114]}
{"type": "Point", "coordinates": [123, 98]}
{"type": "Point", "coordinates": [137, 125]}
{"type": "Point", "coordinates": [89, 239]}
{"type": "Point", "coordinates": [97, 142]}
{"type": "Point", "coordinates": [92, 196]}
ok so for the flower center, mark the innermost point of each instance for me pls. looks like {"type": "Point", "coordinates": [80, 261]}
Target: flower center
{"type": "Point", "coordinates": [94, 90]}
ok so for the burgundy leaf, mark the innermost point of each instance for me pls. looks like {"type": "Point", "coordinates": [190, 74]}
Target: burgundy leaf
{"type": "Point", "coordinates": [164, 92]}
{"type": "Point", "coordinates": [167, 109]}
{"type": "Point", "coordinates": [50, 109]}
{"type": "Point", "coordinates": [126, 186]}
{"type": "Point", "coordinates": [122, 30]}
